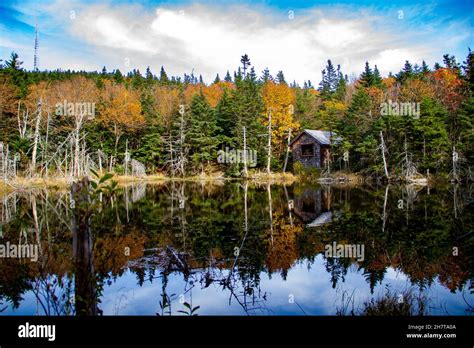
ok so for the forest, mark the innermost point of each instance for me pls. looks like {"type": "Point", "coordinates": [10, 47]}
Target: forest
{"type": "Point", "coordinates": [67, 123]}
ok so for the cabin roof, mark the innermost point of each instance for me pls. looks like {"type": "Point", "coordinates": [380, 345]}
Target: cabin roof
{"type": "Point", "coordinates": [322, 137]}
{"type": "Point", "coordinates": [322, 219]}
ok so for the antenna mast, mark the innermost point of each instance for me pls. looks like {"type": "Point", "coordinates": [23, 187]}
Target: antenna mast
{"type": "Point", "coordinates": [36, 59]}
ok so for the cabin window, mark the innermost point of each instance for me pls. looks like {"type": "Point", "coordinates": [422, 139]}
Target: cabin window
{"type": "Point", "coordinates": [307, 150]}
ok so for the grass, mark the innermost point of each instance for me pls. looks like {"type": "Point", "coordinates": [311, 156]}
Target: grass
{"type": "Point", "coordinates": [405, 303]}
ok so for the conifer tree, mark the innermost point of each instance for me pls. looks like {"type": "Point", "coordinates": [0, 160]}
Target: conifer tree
{"type": "Point", "coordinates": [202, 133]}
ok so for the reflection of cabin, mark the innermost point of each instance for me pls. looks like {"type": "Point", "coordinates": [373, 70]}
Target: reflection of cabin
{"type": "Point", "coordinates": [313, 206]}
{"type": "Point", "coordinates": [312, 148]}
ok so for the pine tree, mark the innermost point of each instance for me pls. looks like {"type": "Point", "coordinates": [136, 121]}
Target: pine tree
{"type": "Point", "coordinates": [330, 81]}
{"type": "Point", "coordinates": [406, 73]}
{"type": "Point", "coordinates": [118, 78]}
{"type": "Point", "coordinates": [163, 76]}
{"type": "Point", "coordinates": [226, 117]}
{"type": "Point", "coordinates": [217, 79]}
{"type": "Point", "coordinates": [148, 74]}
{"type": "Point", "coordinates": [424, 68]}
{"type": "Point", "coordinates": [202, 133]}
{"type": "Point", "coordinates": [377, 78]}
{"type": "Point", "coordinates": [266, 76]}
{"type": "Point", "coordinates": [280, 78]}
{"type": "Point", "coordinates": [227, 77]}
{"type": "Point", "coordinates": [14, 63]}
{"type": "Point", "coordinates": [367, 77]}
{"type": "Point", "coordinates": [245, 60]}
{"type": "Point", "coordinates": [340, 93]}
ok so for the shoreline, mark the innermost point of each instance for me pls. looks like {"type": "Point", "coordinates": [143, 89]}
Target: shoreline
{"type": "Point", "coordinates": [336, 178]}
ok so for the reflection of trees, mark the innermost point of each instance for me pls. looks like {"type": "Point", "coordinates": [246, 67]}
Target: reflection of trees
{"type": "Point", "coordinates": [201, 225]}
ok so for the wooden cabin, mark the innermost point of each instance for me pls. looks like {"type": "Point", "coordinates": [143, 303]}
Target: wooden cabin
{"type": "Point", "coordinates": [313, 206]}
{"type": "Point", "coordinates": [312, 148]}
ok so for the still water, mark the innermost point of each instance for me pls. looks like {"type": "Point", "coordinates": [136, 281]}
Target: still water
{"type": "Point", "coordinates": [238, 248]}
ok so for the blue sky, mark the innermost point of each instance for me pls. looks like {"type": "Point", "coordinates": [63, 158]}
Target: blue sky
{"type": "Point", "coordinates": [208, 37]}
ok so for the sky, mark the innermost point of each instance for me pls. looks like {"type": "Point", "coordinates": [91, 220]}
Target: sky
{"type": "Point", "coordinates": [209, 37]}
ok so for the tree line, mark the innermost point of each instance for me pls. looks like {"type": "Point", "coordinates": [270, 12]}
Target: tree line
{"type": "Point", "coordinates": [147, 123]}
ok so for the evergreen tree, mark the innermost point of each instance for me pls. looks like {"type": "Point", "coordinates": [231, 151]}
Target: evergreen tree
{"type": "Point", "coordinates": [202, 133]}
{"type": "Point", "coordinates": [227, 77]}
{"type": "Point", "coordinates": [377, 78]}
{"type": "Point", "coordinates": [217, 79]}
{"type": "Point", "coordinates": [163, 76]}
{"type": "Point", "coordinates": [245, 60]}
{"type": "Point", "coordinates": [424, 68]}
{"type": "Point", "coordinates": [148, 74]}
{"type": "Point", "coordinates": [14, 63]}
{"type": "Point", "coordinates": [329, 81]}
{"type": "Point", "coordinates": [118, 78]}
{"type": "Point", "coordinates": [266, 76]}
{"type": "Point", "coordinates": [367, 77]}
{"type": "Point", "coordinates": [226, 119]}
{"type": "Point", "coordinates": [406, 73]}
{"type": "Point", "coordinates": [280, 78]}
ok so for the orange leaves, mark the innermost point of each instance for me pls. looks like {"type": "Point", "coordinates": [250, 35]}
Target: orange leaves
{"type": "Point", "coordinates": [212, 93]}
{"type": "Point", "coordinates": [120, 107]}
{"type": "Point", "coordinates": [415, 90]}
{"type": "Point", "coordinates": [281, 100]}
{"type": "Point", "coordinates": [166, 102]}
{"type": "Point", "coordinates": [448, 86]}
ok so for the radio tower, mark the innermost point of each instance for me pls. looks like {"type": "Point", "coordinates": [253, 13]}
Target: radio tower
{"type": "Point", "coordinates": [36, 59]}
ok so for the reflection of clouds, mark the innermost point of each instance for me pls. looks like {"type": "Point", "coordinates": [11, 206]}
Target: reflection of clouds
{"type": "Point", "coordinates": [311, 289]}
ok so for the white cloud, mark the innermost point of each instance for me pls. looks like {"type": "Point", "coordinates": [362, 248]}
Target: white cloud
{"type": "Point", "coordinates": [210, 39]}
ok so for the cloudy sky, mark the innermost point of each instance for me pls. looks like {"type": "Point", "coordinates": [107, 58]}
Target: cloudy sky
{"type": "Point", "coordinates": [208, 37]}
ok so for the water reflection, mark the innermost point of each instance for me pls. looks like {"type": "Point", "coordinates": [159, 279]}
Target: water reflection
{"type": "Point", "coordinates": [238, 248]}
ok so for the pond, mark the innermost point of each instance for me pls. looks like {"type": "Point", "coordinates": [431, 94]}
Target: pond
{"type": "Point", "coordinates": [237, 248]}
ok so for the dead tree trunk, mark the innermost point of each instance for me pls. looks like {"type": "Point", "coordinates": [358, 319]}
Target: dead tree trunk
{"type": "Point", "coordinates": [287, 151]}
{"type": "Point", "coordinates": [36, 138]}
{"type": "Point", "coordinates": [382, 148]}
{"type": "Point", "coordinates": [269, 154]}
{"type": "Point", "coordinates": [245, 155]}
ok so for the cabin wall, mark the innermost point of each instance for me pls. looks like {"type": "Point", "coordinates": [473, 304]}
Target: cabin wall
{"type": "Point", "coordinates": [313, 161]}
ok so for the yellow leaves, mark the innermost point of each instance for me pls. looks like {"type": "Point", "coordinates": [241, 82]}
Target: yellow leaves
{"type": "Point", "coordinates": [121, 108]}
{"type": "Point", "coordinates": [389, 82]}
{"type": "Point", "coordinates": [212, 93]}
{"type": "Point", "coordinates": [415, 90]}
{"type": "Point", "coordinates": [331, 111]}
{"type": "Point", "coordinates": [166, 102]}
{"type": "Point", "coordinates": [280, 99]}
{"type": "Point", "coordinates": [283, 252]}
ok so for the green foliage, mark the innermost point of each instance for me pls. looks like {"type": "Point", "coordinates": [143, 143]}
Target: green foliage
{"type": "Point", "coordinates": [202, 133]}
